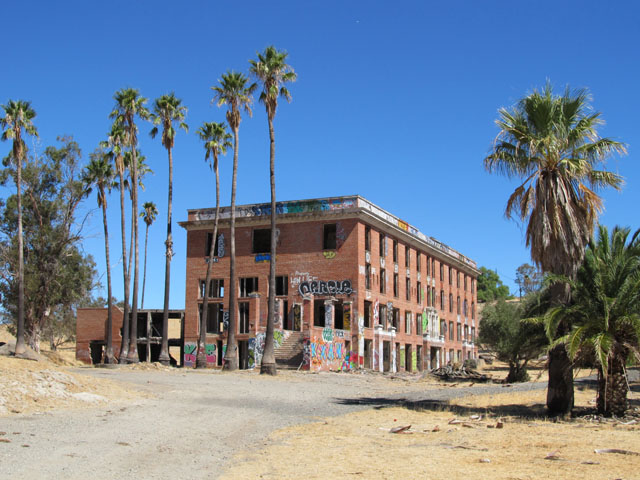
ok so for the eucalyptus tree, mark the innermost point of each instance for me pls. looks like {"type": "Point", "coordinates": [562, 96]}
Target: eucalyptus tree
{"type": "Point", "coordinates": [550, 142]}
{"type": "Point", "coordinates": [235, 92]}
{"type": "Point", "coordinates": [272, 72]}
{"type": "Point", "coordinates": [17, 122]}
{"type": "Point", "coordinates": [216, 142]}
{"type": "Point", "coordinates": [605, 313]}
{"type": "Point", "coordinates": [99, 174]}
{"type": "Point", "coordinates": [129, 105]}
{"type": "Point", "coordinates": [166, 111]}
{"type": "Point", "coordinates": [148, 214]}
{"type": "Point", "coordinates": [116, 143]}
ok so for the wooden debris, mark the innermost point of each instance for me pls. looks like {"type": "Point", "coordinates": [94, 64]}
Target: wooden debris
{"type": "Point", "coordinates": [499, 424]}
{"type": "Point", "coordinates": [448, 372]}
{"type": "Point", "coordinates": [590, 462]}
{"type": "Point", "coordinates": [5, 440]}
{"type": "Point", "coordinates": [400, 429]}
{"type": "Point", "coordinates": [616, 450]}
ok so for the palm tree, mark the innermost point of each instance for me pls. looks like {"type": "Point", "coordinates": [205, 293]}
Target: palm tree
{"type": "Point", "coordinates": [148, 214]}
{"type": "Point", "coordinates": [605, 313]}
{"type": "Point", "coordinates": [551, 143]}
{"type": "Point", "coordinates": [18, 119]}
{"type": "Point", "coordinates": [166, 110]}
{"type": "Point", "coordinates": [234, 92]}
{"type": "Point", "coordinates": [99, 173]}
{"type": "Point", "coordinates": [117, 142]}
{"type": "Point", "coordinates": [272, 71]}
{"type": "Point", "coordinates": [216, 141]}
{"type": "Point", "coordinates": [130, 104]}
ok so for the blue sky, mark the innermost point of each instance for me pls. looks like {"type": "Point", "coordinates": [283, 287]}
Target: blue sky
{"type": "Point", "coordinates": [394, 101]}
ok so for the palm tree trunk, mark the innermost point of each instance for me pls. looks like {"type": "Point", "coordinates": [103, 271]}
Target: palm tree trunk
{"type": "Point", "coordinates": [612, 390]}
{"type": "Point", "coordinates": [20, 346]}
{"type": "Point", "coordinates": [268, 365]}
{"type": "Point", "coordinates": [124, 345]}
{"type": "Point", "coordinates": [231, 355]}
{"type": "Point", "coordinates": [164, 349]}
{"type": "Point", "coordinates": [201, 359]}
{"type": "Point", "coordinates": [108, 356]}
{"type": "Point", "coordinates": [144, 270]}
{"type": "Point", "coordinates": [560, 387]}
{"type": "Point", "coordinates": [133, 337]}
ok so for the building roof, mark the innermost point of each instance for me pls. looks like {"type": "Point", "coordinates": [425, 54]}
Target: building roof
{"type": "Point", "coordinates": [353, 205]}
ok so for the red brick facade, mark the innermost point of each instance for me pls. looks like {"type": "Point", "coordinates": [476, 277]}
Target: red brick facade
{"type": "Point", "coordinates": [350, 289]}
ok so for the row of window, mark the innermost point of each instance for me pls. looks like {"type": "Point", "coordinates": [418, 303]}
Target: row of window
{"type": "Point", "coordinates": [247, 286]}
{"type": "Point", "coordinates": [462, 280]}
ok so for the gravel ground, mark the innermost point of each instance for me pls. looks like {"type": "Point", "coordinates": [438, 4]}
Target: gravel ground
{"type": "Point", "coordinates": [191, 423]}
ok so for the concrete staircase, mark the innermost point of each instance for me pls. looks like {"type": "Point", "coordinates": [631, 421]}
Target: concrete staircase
{"type": "Point", "coordinates": [289, 355]}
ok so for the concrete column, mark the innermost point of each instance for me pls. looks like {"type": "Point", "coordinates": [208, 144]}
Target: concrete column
{"type": "Point", "coordinates": [328, 314]}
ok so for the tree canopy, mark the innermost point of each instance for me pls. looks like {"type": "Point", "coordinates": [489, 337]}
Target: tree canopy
{"type": "Point", "coordinates": [490, 286]}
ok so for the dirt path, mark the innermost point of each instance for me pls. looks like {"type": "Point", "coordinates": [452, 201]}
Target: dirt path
{"type": "Point", "coordinates": [190, 423]}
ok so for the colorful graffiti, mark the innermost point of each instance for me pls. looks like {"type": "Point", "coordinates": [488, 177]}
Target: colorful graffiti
{"type": "Point", "coordinates": [327, 355]}
{"type": "Point", "coordinates": [190, 354]}
{"type": "Point", "coordinates": [263, 257]}
{"type": "Point", "coordinates": [332, 287]}
{"type": "Point", "coordinates": [221, 245]}
{"type": "Point", "coordinates": [329, 255]}
{"type": "Point", "coordinates": [340, 235]}
{"type": "Point", "coordinates": [327, 334]}
{"type": "Point", "coordinates": [210, 353]}
{"type": "Point", "coordinates": [376, 312]}
{"type": "Point", "coordinates": [414, 361]}
{"type": "Point", "coordinates": [346, 316]}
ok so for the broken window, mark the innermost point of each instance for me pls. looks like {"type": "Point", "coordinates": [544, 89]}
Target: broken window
{"type": "Point", "coordinates": [395, 284]}
{"type": "Point", "coordinates": [383, 316]}
{"type": "Point", "coordinates": [381, 245]}
{"type": "Point", "coordinates": [407, 323]}
{"type": "Point", "coordinates": [248, 285]}
{"type": "Point", "coordinates": [214, 317]}
{"type": "Point", "coordinates": [282, 285]}
{"type": "Point", "coordinates": [383, 281]}
{"type": "Point", "coordinates": [396, 318]}
{"type": "Point", "coordinates": [207, 248]}
{"type": "Point", "coordinates": [367, 239]}
{"type": "Point", "coordinates": [395, 251]}
{"type": "Point", "coordinates": [318, 313]}
{"type": "Point", "coordinates": [451, 331]}
{"type": "Point", "coordinates": [243, 317]}
{"type": "Point", "coordinates": [367, 276]}
{"type": "Point", "coordinates": [367, 314]}
{"type": "Point", "coordinates": [408, 289]}
{"type": "Point", "coordinates": [262, 240]}
{"type": "Point", "coordinates": [329, 236]}
{"type": "Point", "coordinates": [216, 288]}
{"type": "Point", "coordinates": [407, 256]}
{"type": "Point", "coordinates": [419, 293]}
{"type": "Point", "coordinates": [418, 324]}
{"type": "Point", "coordinates": [418, 260]}
{"type": "Point", "coordinates": [338, 315]}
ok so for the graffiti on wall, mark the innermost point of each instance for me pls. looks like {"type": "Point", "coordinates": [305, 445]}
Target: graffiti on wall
{"type": "Point", "coordinates": [327, 334]}
{"type": "Point", "coordinates": [263, 257]}
{"type": "Point", "coordinates": [332, 287]}
{"type": "Point", "coordinates": [341, 236]}
{"type": "Point", "coordinates": [190, 354]}
{"type": "Point", "coordinates": [402, 356]}
{"type": "Point", "coordinates": [210, 353]}
{"type": "Point", "coordinates": [414, 361]}
{"type": "Point", "coordinates": [326, 355]}
{"type": "Point", "coordinates": [329, 254]}
{"type": "Point", "coordinates": [298, 277]}
{"type": "Point", "coordinates": [297, 317]}
{"type": "Point", "coordinates": [346, 316]}
{"type": "Point", "coordinates": [256, 346]}
{"type": "Point", "coordinates": [376, 312]}
{"type": "Point", "coordinates": [221, 245]}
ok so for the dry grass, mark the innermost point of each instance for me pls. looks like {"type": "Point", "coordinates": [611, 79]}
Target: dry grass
{"type": "Point", "coordinates": [359, 445]}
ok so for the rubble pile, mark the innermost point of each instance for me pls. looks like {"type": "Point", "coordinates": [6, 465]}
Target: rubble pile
{"type": "Point", "coordinates": [460, 373]}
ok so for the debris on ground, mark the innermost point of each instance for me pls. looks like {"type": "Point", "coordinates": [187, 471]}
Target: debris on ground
{"type": "Point", "coordinates": [461, 373]}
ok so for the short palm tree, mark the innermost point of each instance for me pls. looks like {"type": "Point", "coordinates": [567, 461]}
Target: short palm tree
{"type": "Point", "coordinates": [148, 214]}
{"type": "Point", "coordinates": [216, 142]}
{"type": "Point", "coordinates": [17, 122]}
{"type": "Point", "coordinates": [166, 111]}
{"type": "Point", "coordinates": [129, 105]}
{"type": "Point", "coordinates": [235, 92]}
{"type": "Point", "coordinates": [550, 142]}
{"type": "Point", "coordinates": [99, 174]}
{"type": "Point", "coordinates": [116, 143]}
{"type": "Point", "coordinates": [272, 72]}
{"type": "Point", "coordinates": [605, 312]}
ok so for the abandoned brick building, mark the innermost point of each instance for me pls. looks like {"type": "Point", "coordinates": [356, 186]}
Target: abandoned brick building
{"type": "Point", "coordinates": [356, 287]}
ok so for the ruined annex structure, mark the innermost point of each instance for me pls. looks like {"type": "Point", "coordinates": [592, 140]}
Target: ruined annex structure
{"type": "Point", "coordinates": [356, 288]}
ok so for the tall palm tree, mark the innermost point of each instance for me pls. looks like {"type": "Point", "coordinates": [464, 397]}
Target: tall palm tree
{"type": "Point", "coordinates": [167, 110]}
{"type": "Point", "coordinates": [116, 142]}
{"type": "Point", "coordinates": [129, 105]}
{"type": "Point", "coordinates": [99, 173]}
{"type": "Point", "coordinates": [551, 143]}
{"type": "Point", "coordinates": [16, 122]}
{"type": "Point", "coordinates": [148, 214]}
{"type": "Point", "coordinates": [272, 71]}
{"type": "Point", "coordinates": [216, 142]}
{"type": "Point", "coordinates": [605, 312]}
{"type": "Point", "coordinates": [235, 92]}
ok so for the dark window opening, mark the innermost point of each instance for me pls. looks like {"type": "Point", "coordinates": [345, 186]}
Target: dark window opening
{"type": "Point", "coordinates": [367, 276]}
{"type": "Point", "coordinates": [419, 293]}
{"type": "Point", "coordinates": [395, 284]}
{"type": "Point", "coordinates": [407, 257]}
{"type": "Point", "coordinates": [450, 330]}
{"type": "Point", "coordinates": [367, 239]}
{"type": "Point", "coordinates": [329, 236]}
{"type": "Point", "coordinates": [383, 281]}
{"type": "Point", "coordinates": [418, 260]}
{"type": "Point", "coordinates": [216, 288]}
{"type": "Point", "coordinates": [338, 315]}
{"type": "Point", "coordinates": [207, 248]}
{"type": "Point", "coordinates": [262, 240]}
{"type": "Point", "coordinates": [318, 313]}
{"type": "Point", "coordinates": [367, 314]}
{"type": "Point", "coordinates": [381, 245]}
{"type": "Point", "coordinates": [408, 289]}
{"type": "Point", "coordinates": [395, 319]}
{"type": "Point", "coordinates": [282, 285]}
{"type": "Point", "coordinates": [243, 317]}
{"type": "Point", "coordinates": [248, 285]}
{"type": "Point", "coordinates": [395, 251]}
{"type": "Point", "coordinates": [383, 316]}
{"type": "Point", "coordinates": [214, 317]}
{"type": "Point", "coordinates": [450, 303]}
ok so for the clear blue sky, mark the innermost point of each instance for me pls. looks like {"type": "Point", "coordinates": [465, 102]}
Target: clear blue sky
{"type": "Point", "coordinates": [395, 102]}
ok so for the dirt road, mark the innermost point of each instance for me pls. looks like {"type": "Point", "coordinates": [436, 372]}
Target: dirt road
{"type": "Point", "coordinates": [187, 423]}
